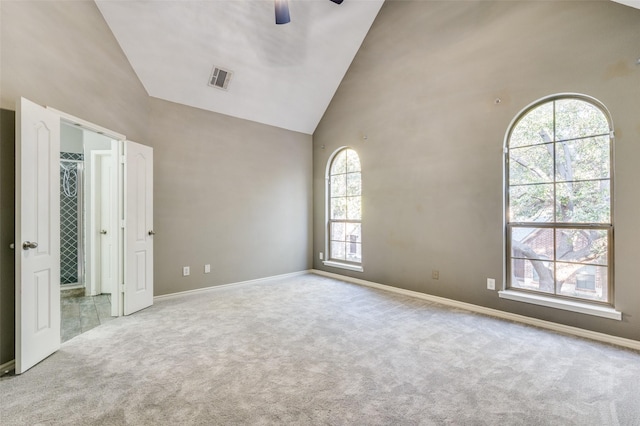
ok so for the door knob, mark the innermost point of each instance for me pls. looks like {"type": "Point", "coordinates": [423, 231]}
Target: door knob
{"type": "Point", "coordinates": [103, 232]}
{"type": "Point", "coordinates": [29, 245]}
{"type": "Point", "coordinates": [151, 232]}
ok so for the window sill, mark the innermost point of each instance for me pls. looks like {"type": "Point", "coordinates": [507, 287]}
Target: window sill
{"type": "Point", "coordinates": [350, 267]}
{"type": "Point", "coordinates": [567, 305]}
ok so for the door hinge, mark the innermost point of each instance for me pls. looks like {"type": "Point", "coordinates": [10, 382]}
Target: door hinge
{"type": "Point", "coordinates": [122, 158]}
{"type": "Point", "coordinates": [123, 287]}
{"type": "Point", "coordinates": [122, 222]}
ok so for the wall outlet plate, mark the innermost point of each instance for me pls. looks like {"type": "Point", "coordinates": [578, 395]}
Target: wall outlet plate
{"type": "Point", "coordinates": [435, 274]}
{"type": "Point", "coordinates": [185, 271]}
{"type": "Point", "coordinates": [491, 284]}
{"type": "Point", "coordinates": [207, 268]}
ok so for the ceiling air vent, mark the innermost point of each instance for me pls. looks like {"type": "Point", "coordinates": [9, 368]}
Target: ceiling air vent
{"type": "Point", "coordinates": [220, 78]}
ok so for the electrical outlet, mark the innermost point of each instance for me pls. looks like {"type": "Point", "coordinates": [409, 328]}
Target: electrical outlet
{"type": "Point", "coordinates": [207, 268]}
{"type": "Point", "coordinates": [186, 271]}
{"type": "Point", "coordinates": [435, 274]}
{"type": "Point", "coordinates": [321, 255]}
{"type": "Point", "coordinates": [491, 284]}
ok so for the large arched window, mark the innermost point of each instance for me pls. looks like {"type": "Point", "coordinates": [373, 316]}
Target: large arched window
{"type": "Point", "coordinates": [559, 205]}
{"type": "Point", "coordinates": [344, 212]}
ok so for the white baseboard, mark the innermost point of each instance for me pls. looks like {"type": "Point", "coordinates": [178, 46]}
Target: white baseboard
{"type": "Point", "coordinates": [7, 366]}
{"type": "Point", "coordinates": [566, 329]}
{"type": "Point", "coordinates": [236, 284]}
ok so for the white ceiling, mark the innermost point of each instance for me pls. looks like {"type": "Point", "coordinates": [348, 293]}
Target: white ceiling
{"type": "Point", "coordinates": [632, 3]}
{"type": "Point", "coordinates": [283, 75]}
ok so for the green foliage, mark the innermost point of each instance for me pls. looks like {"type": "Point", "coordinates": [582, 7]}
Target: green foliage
{"type": "Point", "coordinates": [559, 173]}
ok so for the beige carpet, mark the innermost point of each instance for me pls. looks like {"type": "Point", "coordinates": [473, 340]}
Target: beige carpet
{"type": "Point", "coordinates": [312, 350]}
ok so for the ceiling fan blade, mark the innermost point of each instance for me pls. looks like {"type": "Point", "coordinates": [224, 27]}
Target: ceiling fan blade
{"type": "Point", "coordinates": [282, 12]}
{"type": "Point", "coordinates": [337, 1]}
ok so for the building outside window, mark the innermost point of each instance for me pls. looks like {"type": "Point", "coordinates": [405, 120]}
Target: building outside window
{"type": "Point", "coordinates": [344, 227]}
{"type": "Point", "coordinates": [559, 207]}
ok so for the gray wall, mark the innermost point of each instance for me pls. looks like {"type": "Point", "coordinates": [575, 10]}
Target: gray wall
{"type": "Point", "coordinates": [7, 221]}
{"type": "Point", "coordinates": [228, 192]}
{"type": "Point", "coordinates": [423, 88]}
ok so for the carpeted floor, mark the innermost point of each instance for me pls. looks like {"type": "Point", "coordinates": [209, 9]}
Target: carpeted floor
{"type": "Point", "coordinates": [313, 350]}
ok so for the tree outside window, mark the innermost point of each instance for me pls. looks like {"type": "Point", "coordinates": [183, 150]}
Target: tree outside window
{"type": "Point", "coordinates": [559, 206]}
{"type": "Point", "coordinates": [345, 216]}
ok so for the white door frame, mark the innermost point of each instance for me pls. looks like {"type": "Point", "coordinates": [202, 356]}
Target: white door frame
{"type": "Point", "coordinates": [116, 295]}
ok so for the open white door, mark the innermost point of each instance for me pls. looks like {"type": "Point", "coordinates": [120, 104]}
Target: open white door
{"type": "Point", "coordinates": [108, 194]}
{"type": "Point", "coordinates": [37, 234]}
{"type": "Point", "coordinates": [138, 229]}
{"type": "Point", "coordinates": [103, 222]}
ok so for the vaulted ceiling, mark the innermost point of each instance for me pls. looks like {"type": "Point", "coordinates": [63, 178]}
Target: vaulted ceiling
{"type": "Point", "coordinates": [282, 75]}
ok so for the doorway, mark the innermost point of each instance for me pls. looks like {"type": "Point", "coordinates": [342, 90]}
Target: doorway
{"type": "Point", "coordinates": [88, 211]}
{"type": "Point", "coordinates": [37, 231]}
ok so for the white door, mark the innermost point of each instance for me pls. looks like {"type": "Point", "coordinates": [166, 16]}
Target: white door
{"type": "Point", "coordinates": [37, 234]}
{"type": "Point", "coordinates": [103, 222]}
{"type": "Point", "coordinates": [138, 229]}
{"type": "Point", "coordinates": [108, 218]}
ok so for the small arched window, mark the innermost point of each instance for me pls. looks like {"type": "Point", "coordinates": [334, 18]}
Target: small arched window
{"type": "Point", "coordinates": [344, 204]}
{"type": "Point", "coordinates": [559, 186]}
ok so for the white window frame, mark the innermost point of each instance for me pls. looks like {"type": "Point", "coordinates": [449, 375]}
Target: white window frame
{"type": "Point", "coordinates": [337, 263]}
{"type": "Point", "coordinates": [601, 309]}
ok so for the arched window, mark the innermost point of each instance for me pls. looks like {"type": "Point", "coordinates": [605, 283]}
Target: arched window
{"type": "Point", "coordinates": [344, 225]}
{"type": "Point", "coordinates": [559, 187]}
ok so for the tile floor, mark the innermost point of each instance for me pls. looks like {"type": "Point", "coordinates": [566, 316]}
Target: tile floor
{"type": "Point", "coordinates": [80, 314]}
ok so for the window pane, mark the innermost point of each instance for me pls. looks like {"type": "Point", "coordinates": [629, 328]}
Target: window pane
{"type": "Point", "coordinates": [337, 250]}
{"type": "Point", "coordinates": [582, 245]}
{"type": "Point", "coordinates": [353, 183]}
{"type": "Point", "coordinates": [534, 128]}
{"type": "Point", "coordinates": [533, 164]}
{"type": "Point", "coordinates": [338, 208]}
{"type": "Point", "coordinates": [353, 232]}
{"type": "Point", "coordinates": [354, 252]}
{"type": "Point", "coordinates": [353, 208]}
{"type": "Point", "coordinates": [531, 203]}
{"type": "Point", "coordinates": [338, 231]}
{"type": "Point", "coordinates": [583, 159]}
{"type": "Point", "coordinates": [339, 185]}
{"type": "Point", "coordinates": [532, 275]}
{"type": "Point", "coordinates": [583, 202]}
{"type": "Point", "coordinates": [576, 118]}
{"type": "Point", "coordinates": [583, 281]}
{"type": "Point", "coordinates": [353, 162]}
{"type": "Point", "coordinates": [560, 172]}
{"type": "Point", "coordinates": [532, 243]}
{"type": "Point", "coordinates": [339, 164]}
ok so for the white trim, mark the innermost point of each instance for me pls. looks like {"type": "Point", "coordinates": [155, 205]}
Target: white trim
{"type": "Point", "coordinates": [560, 328]}
{"type": "Point", "coordinates": [567, 305]}
{"type": "Point", "coordinates": [236, 284]}
{"type": "Point", "coordinates": [7, 366]}
{"type": "Point", "coordinates": [327, 208]}
{"type": "Point", "coordinates": [67, 287]}
{"type": "Point", "coordinates": [576, 306]}
{"type": "Point", "coordinates": [87, 125]}
{"type": "Point", "coordinates": [334, 264]}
